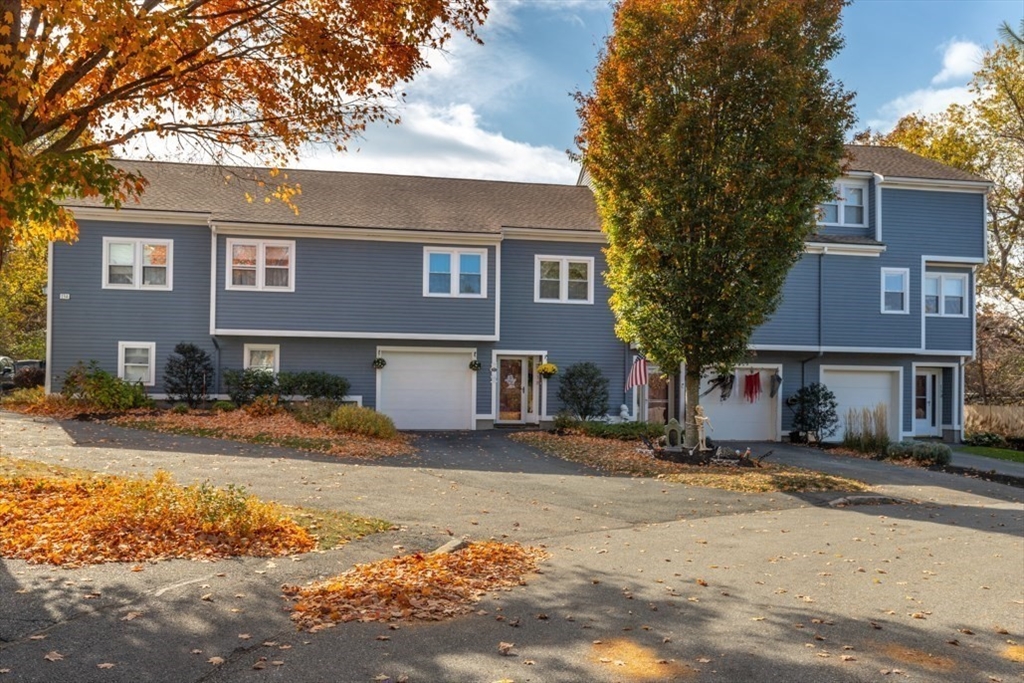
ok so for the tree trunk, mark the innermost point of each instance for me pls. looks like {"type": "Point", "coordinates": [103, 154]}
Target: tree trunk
{"type": "Point", "coordinates": [692, 400]}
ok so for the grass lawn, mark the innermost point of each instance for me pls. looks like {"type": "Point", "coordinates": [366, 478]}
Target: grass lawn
{"type": "Point", "coordinates": [998, 453]}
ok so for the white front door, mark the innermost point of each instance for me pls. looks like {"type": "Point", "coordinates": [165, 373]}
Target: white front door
{"type": "Point", "coordinates": [516, 398]}
{"type": "Point", "coordinates": [927, 408]}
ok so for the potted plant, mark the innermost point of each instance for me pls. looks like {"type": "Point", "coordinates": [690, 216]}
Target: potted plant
{"type": "Point", "coordinates": [547, 370]}
{"type": "Point", "coordinates": [379, 363]}
{"type": "Point", "coordinates": [474, 365]}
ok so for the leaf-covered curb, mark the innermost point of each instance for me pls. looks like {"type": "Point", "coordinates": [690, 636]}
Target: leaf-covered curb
{"type": "Point", "coordinates": [423, 587]}
{"type": "Point", "coordinates": [623, 457]}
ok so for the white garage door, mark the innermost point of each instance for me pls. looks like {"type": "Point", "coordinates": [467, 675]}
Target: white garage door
{"type": "Point", "coordinates": [738, 418]}
{"type": "Point", "coordinates": [857, 389]}
{"type": "Point", "coordinates": [427, 389]}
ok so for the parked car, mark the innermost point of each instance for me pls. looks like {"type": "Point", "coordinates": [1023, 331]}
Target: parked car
{"type": "Point", "coordinates": [7, 370]}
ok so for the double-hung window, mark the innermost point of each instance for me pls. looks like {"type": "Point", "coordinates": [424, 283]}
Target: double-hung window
{"type": "Point", "coordinates": [563, 279]}
{"type": "Point", "coordinates": [136, 362]}
{"type": "Point", "coordinates": [132, 263]}
{"type": "Point", "coordinates": [895, 290]}
{"type": "Point", "coordinates": [455, 272]}
{"type": "Point", "coordinates": [266, 265]}
{"type": "Point", "coordinates": [945, 295]}
{"type": "Point", "coordinates": [848, 206]}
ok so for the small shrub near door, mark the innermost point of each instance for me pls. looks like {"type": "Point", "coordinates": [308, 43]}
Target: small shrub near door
{"type": "Point", "coordinates": [95, 387]}
{"type": "Point", "coordinates": [583, 390]}
{"type": "Point", "coordinates": [922, 452]}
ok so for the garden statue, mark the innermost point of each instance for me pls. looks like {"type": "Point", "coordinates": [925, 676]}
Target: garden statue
{"type": "Point", "coordinates": [703, 423]}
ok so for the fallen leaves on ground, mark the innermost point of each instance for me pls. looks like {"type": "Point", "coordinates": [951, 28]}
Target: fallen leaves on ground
{"type": "Point", "coordinates": [279, 429]}
{"type": "Point", "coordinates": [426, 587]}
{"type": "Point", "coordinates": [626, 457]}
{"type": "Point", "coordinates": [76, 520]}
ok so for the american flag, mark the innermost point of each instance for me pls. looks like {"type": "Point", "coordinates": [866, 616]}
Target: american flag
{"type": "Point", "coordinates": [637, 374]}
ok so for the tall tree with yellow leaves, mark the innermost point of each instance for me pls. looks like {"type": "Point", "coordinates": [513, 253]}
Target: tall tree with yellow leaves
{"type": "Point", "coordinates": [255, 77]}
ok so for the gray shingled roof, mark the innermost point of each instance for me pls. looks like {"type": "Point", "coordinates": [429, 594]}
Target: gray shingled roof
{"type": "Point", "coordinates": [371, 200]}
{"type": "Point", "coordinates": [364, 200]}
{"type": "Point", "coordinates": [897, 163]}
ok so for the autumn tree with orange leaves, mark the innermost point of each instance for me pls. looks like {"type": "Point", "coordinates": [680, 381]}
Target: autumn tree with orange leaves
{"type": "Point", "coordinates": [251, 77]}
{"type": "Point", "coordinates": [713, 131]}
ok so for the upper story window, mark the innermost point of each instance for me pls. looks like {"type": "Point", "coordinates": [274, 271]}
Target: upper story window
{"type": "Point", "coordinates": [130, 263]}
{"type": "Point", "coordinates": [136, 362]}
{"type": "Point", "coordinates": [848, 207]}
{"type": "Point", "coordinates": [564, 279]}
{"type": "Point", "coordinates": [945, 295]}
{"type": "Point", "coordinates": [455, 272]}
{"type": "Point", "coordinates": [895, 290]}
{"type": "Point", "coordinates": [266, 357]}
{"type": "Point", "coordinates": [261, 265]}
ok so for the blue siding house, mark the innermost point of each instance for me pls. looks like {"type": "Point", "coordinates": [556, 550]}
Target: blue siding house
{"type": "Point", "coordinates": [433, 273]}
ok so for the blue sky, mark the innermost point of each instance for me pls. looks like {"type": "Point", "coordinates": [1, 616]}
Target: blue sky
{"type": "Point", "coordinates": [503, 110]}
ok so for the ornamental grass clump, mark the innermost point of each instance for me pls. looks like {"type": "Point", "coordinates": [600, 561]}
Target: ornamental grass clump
{"type": "Point", "coordinates": [75, 521]}
{"type": "Point", "coordinates": [355, 419]}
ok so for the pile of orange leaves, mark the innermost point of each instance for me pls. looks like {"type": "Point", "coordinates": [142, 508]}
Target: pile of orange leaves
{"type": "Point", "coordinates": [424, 587]}
{"type": "Point", "coordinates": [77, 521]}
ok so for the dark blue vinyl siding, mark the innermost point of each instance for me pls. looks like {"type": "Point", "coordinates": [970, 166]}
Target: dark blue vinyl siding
{"type": "Point", "coordinates": [90, 323]}
{"type": "Point", "coordinates": [916, 222]}
{"type": "Point", "coordinates": [355, 286]}
{"type": "Point", "coordinates": [569, 333]}
{"type": "Point", "coordinates": [795, 321]}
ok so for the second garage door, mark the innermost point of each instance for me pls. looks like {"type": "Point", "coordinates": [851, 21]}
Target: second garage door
{"type": "Point", "coordinates": [427, 388]}
{"type": "Point", "coordinates": [743, 415]}
{"type": "Point", "coordinates": [857, 389]}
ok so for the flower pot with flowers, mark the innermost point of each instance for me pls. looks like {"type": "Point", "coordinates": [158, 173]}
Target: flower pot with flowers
{"type": "Point", "coordinates": [547, 370]}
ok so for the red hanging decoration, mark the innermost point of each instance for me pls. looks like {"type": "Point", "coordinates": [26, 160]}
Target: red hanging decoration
{"type": "Point", "coordinates": [752, 387]}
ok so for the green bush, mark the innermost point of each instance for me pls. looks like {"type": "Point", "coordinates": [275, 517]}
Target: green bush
{"type": "Point", "coordinates": [624, 431]}
{"type": "Point", "coordinates": [94, 386]}
{"type": "Point", "coordinates": [180, 409]}
{"type": "Point", "coordinates": [315, 411]}
{"type": "Point", "coordinates": [313, 385]}
{"type": "Point", "coordinates": [223, 407]}
{"type": "Point", "coordinates": [923, 452]}
{"type": "Point", "coordinates": [584, 391]}
{"type": "Point", "coordinates": [188, 375]}
{"type": "Point", "coordinates": [989, 439]}
{"type": "Point", "coordinates": [355, 419]}
{"type": "Point", "coordinates": [243, 386]}
{"type": "Point", "coordinates": [814, 407]}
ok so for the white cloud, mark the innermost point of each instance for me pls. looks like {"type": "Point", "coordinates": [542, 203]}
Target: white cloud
{"type": "Point", "coordinates": [925, 101]}
{"type": "Point", "coordinates": [449, 142]}
{"type": "Point", "coordinates": [960, 60]}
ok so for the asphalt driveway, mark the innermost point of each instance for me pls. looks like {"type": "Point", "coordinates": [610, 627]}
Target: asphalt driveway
{"type": "Point", "coordinates": [795, 589]}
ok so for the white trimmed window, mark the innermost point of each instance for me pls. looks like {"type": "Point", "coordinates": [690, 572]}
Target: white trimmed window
{"type": "Point", "coordinates": [455, 272]}
{"type": "Point", "coordinates": [130, 263]}
{"type": "Point", "coordinates": [946, 295]}
{"type": "Point", "coordinates": [136, 362]}
{"type": "Point", "coordinates": [264, 265]}
{"type": "Point", "coordinates": [563, 279]}
{"type": "Point", "coordinates": [262, 357]}
{"type": "Point", "coordinates": [895, 290]}
{"type": "Point", "coordinates": [848, 207]}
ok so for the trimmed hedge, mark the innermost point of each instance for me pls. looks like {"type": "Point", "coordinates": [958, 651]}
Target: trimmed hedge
{"type": "Point", "coordinates": [924, 452]}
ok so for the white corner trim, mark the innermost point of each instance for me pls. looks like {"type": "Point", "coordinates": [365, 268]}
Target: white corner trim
{"type": "Point", "coordinates": [497, 291]}
{"type": "Point", "coordinates": [48, 384]}
{"type": "Point", "coordinates": [879, 179]}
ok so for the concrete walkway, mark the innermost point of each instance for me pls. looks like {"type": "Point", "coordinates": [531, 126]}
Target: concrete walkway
{"type": "Point", "coordinates": [646, 580]}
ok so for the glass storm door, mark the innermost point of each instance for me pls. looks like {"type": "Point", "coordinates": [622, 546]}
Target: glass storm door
{"type": "Point", "coordinates": [513, 385]}
{"type": "Point", "coordinates": [926, 403]}
{"type": "Point", "coordinates": [658, 397]}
